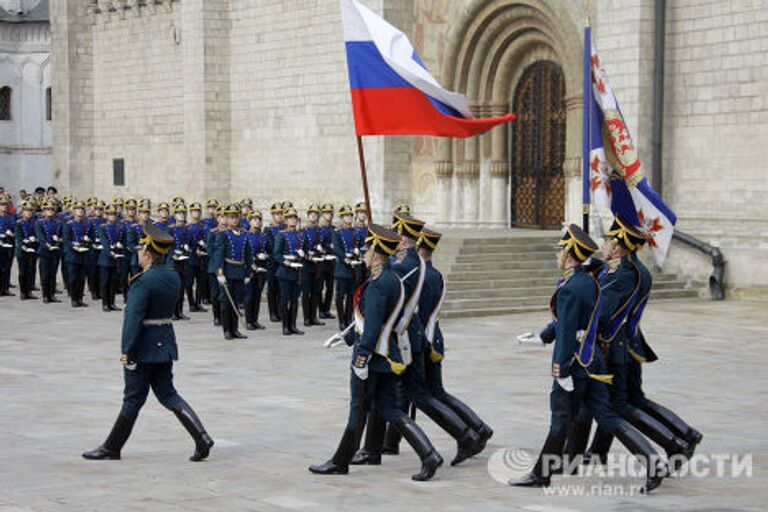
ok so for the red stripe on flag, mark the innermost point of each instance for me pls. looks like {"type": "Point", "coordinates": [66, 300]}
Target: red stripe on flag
{"type": "Point", "coordinates": [407, 111]}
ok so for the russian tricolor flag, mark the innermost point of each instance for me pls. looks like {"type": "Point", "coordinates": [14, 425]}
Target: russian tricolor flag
{"type": "Point", "coordinates": [392, 91]}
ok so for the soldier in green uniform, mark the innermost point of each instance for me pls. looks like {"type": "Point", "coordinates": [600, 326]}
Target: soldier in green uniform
{"type": "Point", "coordinates": [377, 362]}
{"type": "Point", "coordinates": [210, 242]}
{"type": "Point", "coordinates": [111, 257]}
{"type": "Point", "coordinates": [579, 375]}
{"type": "Point", "coordinates": [273, 284]}
{"type": "Point", "coordinates": [149, 349]}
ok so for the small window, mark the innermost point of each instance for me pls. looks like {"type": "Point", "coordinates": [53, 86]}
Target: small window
{"type": "Point", "coordinates": [118, 172]}
{"type": "Point", "coordinates": [48, 105]}
{"type": "Point", "coordinates": [5, 103]}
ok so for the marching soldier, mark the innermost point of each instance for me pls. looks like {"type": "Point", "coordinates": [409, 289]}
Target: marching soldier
{"type": "Point", "coordinates": [198, 259]}
{"type": "Point", "coordinates": [149, 349]}
{"type": "Point", "coordinates": [578, 371]}
{"type": "Point", "coordinates": [92, 269]}
{"type": "Point", "coordinates": [327, 267]}
{"type": "Point", "coordinates": [377, 363]}
{"type": "Point", "coordinates": [49, 236]}
{"type": "Point", "coordinates": [622, 287]}
{"type": "Point", "coordinates": [111, 257]}
{"type": "Point", "coordinates": [7, 242]}
{"type": "Point", "coordinates": [430, 302]}
{"type": "Point", "coordinates": [412, 270]}
{"type": "Point", "coordinates": [258, 242]}
{"type": "Point", "coordinates": [213, 284]}
{"type": "Point", "coordinates": [232, 259]}
{"type": "Point", "coordinates": [76, 248]}
{"type": "Point", "coordinates": [180, 258]}
{"type": "Point", "coordinates": [311, 271]}
{"type": "Point", "coordinates": [26, 250]}
{"type": "Point", "coordinates": [287, 255]}
{"type": "Point", "coordinates": [642, 353]}
{"type": "Point", "coordinates": [273, 286]}
{"type": "Point", "coordinates": [348, 266]}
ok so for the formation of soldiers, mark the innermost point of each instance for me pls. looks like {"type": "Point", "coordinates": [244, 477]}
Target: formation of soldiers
{"type": "Point", "coordinates": [226, 257]}
{"type": "Point", "coordinates": [388, 300]}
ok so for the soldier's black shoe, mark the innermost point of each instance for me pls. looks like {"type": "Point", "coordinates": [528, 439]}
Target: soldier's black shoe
{"type": "Point", "coordinates": [203, 442]}
{"type": "Point", "coordinates": [468, 446]}
{"type": "Point", "coordinates": [531, 480]}
{"type": "Point", "coordinates": [111, 448]}
{"type": "Point", "coordinates": [112, 307]}
{"type": "Point", "coordinates": [329, 468]}
{"type": "Point", "coordinates": [105, 308]}
{"type": "Point", "coordinates": [196, 308]}
{"type": "Point", "coordinates": [46, 300]}
{"type": "Point", "coordinates": [326, 315]}
{"type": "Point", "coordinates": [101, 453]}
{"type": "Point", "coordinates": [365, 458]}
{"type": "Point", "coordinates": [430, 459]}
{"type": "Point", "coordinates": [53, 299]}
{"type": "Point", "coordinates": [250, 326]}
{"type": "Point", "coordinates": [292, 314]}
{"type": "Point", "coordinates": [633, 440]}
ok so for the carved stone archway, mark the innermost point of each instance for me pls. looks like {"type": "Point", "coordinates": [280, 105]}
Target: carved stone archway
{"type": "Point", "coordinates": [489, 49]}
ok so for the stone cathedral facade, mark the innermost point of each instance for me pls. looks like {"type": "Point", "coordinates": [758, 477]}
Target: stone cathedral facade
{"type": "Point", "coordinates": [235, 98]}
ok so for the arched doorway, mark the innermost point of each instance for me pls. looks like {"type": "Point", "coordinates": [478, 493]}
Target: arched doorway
{"type": "Point", "coordinates": [537, 149]}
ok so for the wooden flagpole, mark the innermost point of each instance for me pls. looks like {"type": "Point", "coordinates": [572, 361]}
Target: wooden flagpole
{"type": "Point", "coordinates": [364, 174]}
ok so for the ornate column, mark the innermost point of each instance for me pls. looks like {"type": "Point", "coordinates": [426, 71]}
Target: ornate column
{"type": "Point", "coordinates": [469, 174]}
{"type": "Point", "coordinates": [572, 163]}
{"type": "Point", "coordinates": [444, 174]}
{"type": "Point", "coordinates": [499, 197]}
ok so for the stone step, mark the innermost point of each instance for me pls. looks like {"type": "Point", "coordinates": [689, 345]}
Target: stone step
{"type": "Point", "coordinates": [547, 287]}
{"type": "Point", "coordinates": [502, 249]}
{"type": "Point", "coordinates": [487, 275]}
{"type": "Point", "coordinates": [491, 284]}
{"type": "Point", "coordinates": [475, 313]}
{"type": "Point", "coordinates": [522, 241]}
{"type": "Point", "coordinates": [505, 265]}
{"type": "Point", "coordinates": [508, 256]}
{"type": "Point", "coordinates": [525, 300]}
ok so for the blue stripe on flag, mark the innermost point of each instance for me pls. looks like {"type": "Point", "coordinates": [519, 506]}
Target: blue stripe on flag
{"type": "Point", "coordinates": [369, 70]}
{"type": "Point", "coordinates": [645, 188]}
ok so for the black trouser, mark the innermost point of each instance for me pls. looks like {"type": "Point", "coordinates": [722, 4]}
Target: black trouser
{"type": "Point", "coordinates": [159, 377]}
{"type": "Point", "coordinates": [326, 276]}
{"type": "Point", "coordinates": [76, 274]}
{"type": "Point", "coordinates": [6, 262]}
{"type": "Point", "coordinates": [48, 268]}
{"type": "Point", "coordinates": [345, 291]}
{"type": "Point", "coordinates": [26, 263]}
{"type": "Point", "coordinates": [108, 285]}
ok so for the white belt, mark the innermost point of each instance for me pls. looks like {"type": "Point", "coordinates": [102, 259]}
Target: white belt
{"type": "Point", "coordinates": [154, 322]}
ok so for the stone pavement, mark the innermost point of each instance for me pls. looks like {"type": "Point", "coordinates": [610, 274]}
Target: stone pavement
{"type": "Point", "coordinates": [274, 405]}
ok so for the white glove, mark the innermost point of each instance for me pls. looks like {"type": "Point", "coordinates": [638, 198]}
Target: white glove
{"type": "Point", "coordinates": [25, 241]}
{"type": "Point", "coordinates": [319, 248]}
{"type": "Point", "coordinates": [566, 383]}
{"type": "Point", "coordinates": [86, 238]}
{"type": "Point", "coordinates": [55, 238]}
{"type": "Point", "coordinates": [119, 245]}
{"type": "Point", "coordinates": [530, 338]}
{"type": "Point", "coordinates": [32, 239]}
{"type": "Point", "coordinates": [247, 280]}
{"type": "Point", "coordinates": [261, 256]}
{"type": "Point", "coordinates": [300, 252]}
{"type": "Point", "coordinates": [201, 243]}
{"type": "Point", "coordinates": [362, 373]}
{"type": "Point", "coordinates": [221, 279]}
{"type": "Point", "coordinates": [186, 247]}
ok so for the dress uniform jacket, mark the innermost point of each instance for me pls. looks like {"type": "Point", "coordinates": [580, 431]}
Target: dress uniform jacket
{"type": "Point", "coordinates": [148, 335]}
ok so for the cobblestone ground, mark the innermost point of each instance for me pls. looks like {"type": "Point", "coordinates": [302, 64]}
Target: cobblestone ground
{"type": "Point", "coordinates": [275, 405]}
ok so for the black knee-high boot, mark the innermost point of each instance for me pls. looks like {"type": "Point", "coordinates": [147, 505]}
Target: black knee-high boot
{"type": "Point", "coordinates": [188, 418]}
{"type": "Point", "coordinates": [673, 422]}
{"type": "Point", "coordinates": [468, 440]}
{"type": "Point", "coordinates": [470, 418]}
{"type": "Point", "coordinates": [430, 459]}
{"type": "Point", "coordinates": [639, 446]}
{"type": "Point", "coordinates": [370, 453]}
{"type": "Point", "coordinates": [111, 448]}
